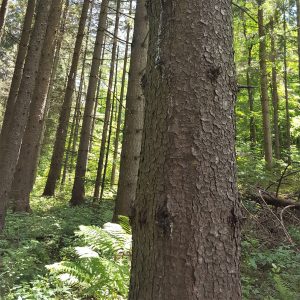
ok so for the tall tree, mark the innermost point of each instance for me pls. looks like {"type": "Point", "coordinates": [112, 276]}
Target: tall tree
{"type": "Point", "coordinates": [3, 12]}
{"type": "Point", "coordinates": [264, 86]}
{"type": "Point", "coordinates": [28, 159]}
{"type": "Point", "coordinates": [17, 76]}
{"type": "Point", "coordinates": [134, 115]}
{"type": "Point", "coordinates": [78, 192]}
{"type": "Point", "coordinates": [10, 144]}
{"type": "Point", "coordinates": [186, 232]}
{"type": "Point", "coordinates": [275, 97]}
{"type": "Point", "coordinates": [108, 104]}
{"type": "Point", "coordinates": [62, 129]}
{"type": "Point", "coordinates": [285, 75]}
{"type": "Point", "coordinates": [120, 110]}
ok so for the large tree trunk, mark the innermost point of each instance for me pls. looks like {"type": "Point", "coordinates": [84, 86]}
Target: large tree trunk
{"type": "Point", "coordinates": [275, 98]}
{"type": "Point", "coordinates": [3, 12]}
{"type": "Point", "coordinates": [30, 149]}
{"type": "Point", "coordinates": [62, 129]}
{"type": "Point", "coordinates": [108, 104]}
{"type": "Point", "coordinates": [120, 110]}
{"type": "Point", "coordinates": [78, 192]}
{"type": "Point", "coordinates": [17, 76]}
{"type": "Point", "coordinates": [264, 87]}
{"type": "Point", "coordinates": [186, 231]}
{"type": "Point", "coordinates": [10, 143]}
{"type": "Point", "coordinates": [134, 115]}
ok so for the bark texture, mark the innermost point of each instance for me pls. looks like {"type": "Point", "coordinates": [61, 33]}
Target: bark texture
{"type": "Point", "coordinates": [186, 231]}
{"type": "Point", "coordinates": [10, 144]}
{"type": "Point", "coordinates": [62, 129]}
{"type": "Point", "coordinates": [17, 76]}
{"type": "Point", "coordinates": [134, 115]}
{"type": "Point", "coordinates": [3, 12]}
{"type": "Point", "coordinates": [28, 159]}
{"type": "Point", "coordinates": [264, 87]}
{"type": "Point", "coordinates": [78, 192]}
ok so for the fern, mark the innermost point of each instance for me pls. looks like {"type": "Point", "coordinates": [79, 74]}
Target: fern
{"type": "Point", "coordinates": [283, 289]}
{"type": "Point", "coordinates": [102, 267]}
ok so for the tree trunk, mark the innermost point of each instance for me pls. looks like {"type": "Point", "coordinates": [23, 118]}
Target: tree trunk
{"type": "Point", "coordinates": [264, 87]}
{"type": "Point", "coordinates": [17, 76]}
{"type": "Point", "coordinates": [78, 192]}
{"type": "Point", "coordinates": [120, 110]}
{"type": "Point", "coordinates": [186, 230]}
{"type": "Point", "coordinates": [108, 103]}
{"type": "Point", "coordinates": [110, 127]}
{"type": "Point", "coordinates": [27, 163]}
{"type": "Point", "coordinates": [298, 37]}
{"type": "Point", "coordinates": [10, 144]}
{"type": "Point", "coordinates": [286, 93]}
{"type": "Point", "coordinates": [275, 98]}
{"type": "Point", "coordinates": [134, 115]}
{"type": "Point", "coordinates": [62, 129]}
{"type": "Point", "coordinates": [3, 11]}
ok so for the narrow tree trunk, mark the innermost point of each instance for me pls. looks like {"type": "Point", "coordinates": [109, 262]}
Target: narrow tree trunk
{"type": "Point", "coordinates": [120, 110]}
{"type": "Point", "coordinates": [17, 76]}
{"type": "Point", "coordinates": [3, 12]}
{"type": "Point", "coordinates": [275, 98]}
{"type": "Point", "coordinates": [134, 115]}
{"type": "Point", "coordinates": [115, 92]}
{"type": "Point", "coordinates": [298, 37]}
{"type": "Point", "coordinates": [29, 153]}
{"type": "Point", "coordinates": [264, 87]}
{"type": "Point", "coordinates": [186, 231]}
{"type": "Point", "coordinates": [108, 104]}
{"type": "Point", "coordinates": [10, 143]}
{"type": "Point", "coordinates": [62, 129]}
{"type": "Point", "coordinates": [286, 93]}
{"type": "Point", "coordinates": [96, 100]}
{"type": "Point", "coordinates": [78, 192]}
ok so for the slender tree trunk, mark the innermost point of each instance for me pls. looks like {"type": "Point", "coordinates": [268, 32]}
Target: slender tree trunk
{"type": "Point", "coordinates": [115, 92]}
{"type": "Point", "coordinates": [298, 37]}
{"type": "Point", "coordinates": [286, 93]}
{"type": "Point", "coordinates": [10, 143]}
{"type": "Point", "coordinates": [78, 192]}
{"type": "Point", "coordinates": [3, 11]}
{"type": "Point", "coordinates": [29, 153]}
{"type": "Point", "coordinates": [264, 87]}
{"type": "Point", "coordinates": [17, 76]}
{"type": "Point", "coordinates": [186, 231]}
{"type": "Point", "coordinates": [134, 115]}
{"type": "Point", "coordinates": [62, 130]}
{"type": "Point", "coordinates": [275, 98]}
{"type": "Point", "coordinates": [96, 100]}
{"type": "Point", "coordinates": [120, 110]}
{"type": "Point", "coordinates": [108, 104]}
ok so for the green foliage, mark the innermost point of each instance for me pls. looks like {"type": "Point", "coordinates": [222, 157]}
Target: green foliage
{"type": "Point", "coordinates": [103, 266]}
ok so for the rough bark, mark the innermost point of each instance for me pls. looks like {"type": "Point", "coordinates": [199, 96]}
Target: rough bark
{"type": "Point", "coordinates": [62, 129]}
{"type": "Point", "coordinates": [17, 76]}
{"type": "Point", "coordinates": [120, 110]}
{"type": "Point", "coordinates": [134, 115]}
{"type": "Point", "coordinates": [3, 12]}
{"type": "Point", "coordinates": [108, 104]}
{"type": "Point", "coordinates": [10, 144]}
{"type": "Point", "coordinates": [275, 98]}
{"type": "Point", "coordinates": [286, 93]}
{"type": "Point", "coordinates": [186, 229]}
{"type": "Point", "coordinates": [78, 192]}
{"type": "Point", "coordinates": [27, 163]}
{"type": "Point", "coordinates": [264, 87]}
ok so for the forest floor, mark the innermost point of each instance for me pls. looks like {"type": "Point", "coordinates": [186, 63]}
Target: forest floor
{"type": "Point", "coordinates": [270, 257]}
